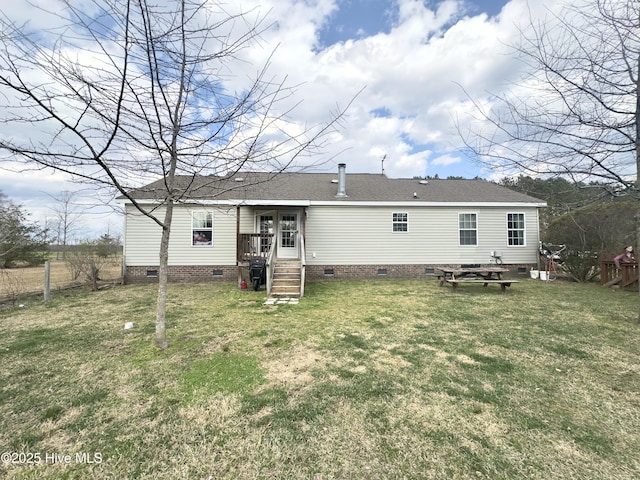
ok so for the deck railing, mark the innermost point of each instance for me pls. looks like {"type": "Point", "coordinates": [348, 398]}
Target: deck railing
{"type": "Point", "coordinates": [627, 274]}
{"type": "Point", "coordinates": [254, 245]}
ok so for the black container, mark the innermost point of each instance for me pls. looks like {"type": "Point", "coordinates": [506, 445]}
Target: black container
{"type": "Point", "coordinates": [258, 272]}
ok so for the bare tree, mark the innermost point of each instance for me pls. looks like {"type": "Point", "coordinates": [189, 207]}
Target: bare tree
{"type": "Point", "coordinates": [86, 261]}
{"type": "Point", "coordinates": [124, 92]}
{"type": "Point", "coordinates": [576, 112]}
{"type": "Point", "coordinates": [12, 286]}
{"type": "Point", "coordinates": [67, 217]}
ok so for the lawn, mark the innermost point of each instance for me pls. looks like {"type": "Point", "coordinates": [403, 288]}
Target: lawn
{"type": "Point", "coordinates": [361, 380]}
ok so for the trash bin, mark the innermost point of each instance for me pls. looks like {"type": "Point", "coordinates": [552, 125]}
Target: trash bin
{"type": "Point", "coordinates": [258, 272]}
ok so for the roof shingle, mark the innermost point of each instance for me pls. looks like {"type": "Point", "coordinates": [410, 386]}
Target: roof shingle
{"type": "Point", "coordinates": [322, 187]}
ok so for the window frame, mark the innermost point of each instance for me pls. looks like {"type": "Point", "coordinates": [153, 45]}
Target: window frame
{"type": "Point", "coordinates": [204, 231]}
{"type": "Point", "coordinates": [523, 230]}
{"type": "Point", "coordinates": [396, 222]}
{"type": "Point", "coordinates": [460, 229]}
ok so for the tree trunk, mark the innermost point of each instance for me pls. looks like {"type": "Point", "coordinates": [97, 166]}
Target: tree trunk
{"type": "Point", "coordinates": [638, 253]}
{"type": "Point", "coordinates": [163, 274]}
{"type": "Point", "coordinates": [637, 140]}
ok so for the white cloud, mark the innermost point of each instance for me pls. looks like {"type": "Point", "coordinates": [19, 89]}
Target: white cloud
{"type": "Point", "coordinates": [446, 160]}
{"type": "Point", "coordinates": [414, 72]}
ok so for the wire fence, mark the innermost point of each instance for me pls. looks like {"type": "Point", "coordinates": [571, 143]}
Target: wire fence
{"type": "Point", "coordinates": [16, 283]}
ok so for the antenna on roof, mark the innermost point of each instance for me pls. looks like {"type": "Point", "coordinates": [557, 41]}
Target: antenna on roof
{"type": "Point", "coordinates": [382, 161]}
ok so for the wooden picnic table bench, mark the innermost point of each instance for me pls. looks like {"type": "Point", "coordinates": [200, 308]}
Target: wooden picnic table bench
{"type": "Point", "coordinates": [454, 282]}
{"type": "Point", "coordinates": [485, 275]}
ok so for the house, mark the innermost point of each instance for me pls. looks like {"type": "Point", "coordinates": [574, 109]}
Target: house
{"type": "Point", "coordinates": [315, 226]}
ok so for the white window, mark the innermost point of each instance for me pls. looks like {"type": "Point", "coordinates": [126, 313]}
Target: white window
{"type": "Point", "coordinates": [400, 222]}
{"type": "Point", "coordinates": [201, 229]}
{"type": "Point", "coordinates": [515, 229]}
{"type": "Point", "coordinates": [468, 227]}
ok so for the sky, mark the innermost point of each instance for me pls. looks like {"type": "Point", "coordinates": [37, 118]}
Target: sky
{"type": "Point", "coordinates": [414, 62]}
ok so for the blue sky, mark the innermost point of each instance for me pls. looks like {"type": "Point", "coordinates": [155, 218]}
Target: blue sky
{"type": "Point", "coordinates": [354, 19]}
{"type": "Point", "coordinates": [410, 58]}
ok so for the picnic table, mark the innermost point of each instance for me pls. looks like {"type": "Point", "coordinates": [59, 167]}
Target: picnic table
{"type": "Point", "coordinates": [485, 275]}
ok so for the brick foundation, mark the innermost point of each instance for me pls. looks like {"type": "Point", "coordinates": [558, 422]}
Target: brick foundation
{"type": "Point", "coordinates": [407, 272]}
{"type": "Point", "coordinates": [365, 272]}
{"type": "Point", "coordinates": [229, 273]}
{"type": "Point", "coordinates": [183, 273]}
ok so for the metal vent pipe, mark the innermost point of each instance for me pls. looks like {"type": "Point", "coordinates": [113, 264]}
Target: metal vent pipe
{"type": "Point", "coordinates": [342, 190]}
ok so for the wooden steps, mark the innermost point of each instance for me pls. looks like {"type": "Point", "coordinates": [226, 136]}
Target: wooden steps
{"type": "Point", "coordinates": [287, 276]}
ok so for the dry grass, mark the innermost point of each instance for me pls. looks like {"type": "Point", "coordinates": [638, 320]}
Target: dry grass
{"type": "Point", "coordinates": [30, 280]}
{"type": "Point", "coordinates": [377, 380]}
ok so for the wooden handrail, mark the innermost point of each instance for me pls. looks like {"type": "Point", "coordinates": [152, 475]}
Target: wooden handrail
{"type": "Point", "coordinates": [270, 266]}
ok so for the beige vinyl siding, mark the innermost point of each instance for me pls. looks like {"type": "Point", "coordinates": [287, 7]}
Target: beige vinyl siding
{"type": "Point", "coordinates": [247, 220]}
{"type": "Point", "coordinates": [142, 238]}
{"type": "Point", "coordinates": [363, 235]}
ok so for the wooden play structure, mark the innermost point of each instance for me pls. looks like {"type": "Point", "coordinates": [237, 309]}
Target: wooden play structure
{"type": "Point", "coordinates": [626, 277]}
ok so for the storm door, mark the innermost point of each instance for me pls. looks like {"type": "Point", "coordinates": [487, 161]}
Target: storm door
{"type": "Point", "coordinates": [288, 229]}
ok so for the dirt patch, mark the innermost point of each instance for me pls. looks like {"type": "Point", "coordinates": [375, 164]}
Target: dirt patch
{"type": "Point", "coordinates": [294, 367]}
{"type": "Point", "coordinates": [219, 344]}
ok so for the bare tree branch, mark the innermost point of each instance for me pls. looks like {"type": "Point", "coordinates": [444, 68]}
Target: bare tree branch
{"type": "Point", "coordinates": [129, 92]}
{"type": "Point", "coordinates": [576, 112]}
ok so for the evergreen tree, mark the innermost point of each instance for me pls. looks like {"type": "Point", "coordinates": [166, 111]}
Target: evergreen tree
{"type": "Point", "coordinates": [20, 241]}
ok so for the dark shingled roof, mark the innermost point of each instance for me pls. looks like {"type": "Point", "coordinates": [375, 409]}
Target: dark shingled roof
{"type": "Point", "coordinates": [323, 187]}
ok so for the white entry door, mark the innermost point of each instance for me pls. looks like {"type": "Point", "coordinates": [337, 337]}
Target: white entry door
{"type": "Point", "coordinates": [288, 229]}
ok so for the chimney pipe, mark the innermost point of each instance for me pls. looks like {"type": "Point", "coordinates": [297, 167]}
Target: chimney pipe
{"type": "Point", "coordinates": [342, 192]}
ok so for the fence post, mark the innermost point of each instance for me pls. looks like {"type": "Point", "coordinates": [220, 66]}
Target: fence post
{"type": "Point", "coordinates": [47, 281]}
